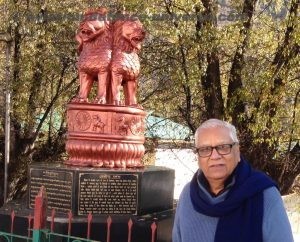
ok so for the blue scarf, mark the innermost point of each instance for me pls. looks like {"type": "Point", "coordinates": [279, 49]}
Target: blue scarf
{"type": "Point", "coordinates": [241, 213]}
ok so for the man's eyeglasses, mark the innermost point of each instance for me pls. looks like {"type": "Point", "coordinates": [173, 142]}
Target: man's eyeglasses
{"type": "Point", "coordinates": [224, 149]}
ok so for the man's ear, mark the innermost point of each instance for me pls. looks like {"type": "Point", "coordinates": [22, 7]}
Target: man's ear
{"type": "Point", "coordinates": [238, 153]}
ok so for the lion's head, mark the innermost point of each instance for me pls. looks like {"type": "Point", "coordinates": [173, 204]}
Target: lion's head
{"type": "Point", "coordinates": [129, 32]}
{"type": "Point", "coordinates": [94, 20]}
{"type": "Point", "coordinates": [93, 24]}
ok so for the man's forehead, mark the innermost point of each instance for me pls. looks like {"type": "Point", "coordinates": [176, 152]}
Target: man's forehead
{"type": "Point", "coordinates": [214, 143]}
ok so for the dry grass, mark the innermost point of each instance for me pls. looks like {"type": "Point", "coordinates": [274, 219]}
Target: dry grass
{"type": "Point", "coordinates": [292, 205]}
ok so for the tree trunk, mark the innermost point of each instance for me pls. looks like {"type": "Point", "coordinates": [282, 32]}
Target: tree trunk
{"type": "Point", "coordinates": [210, 78]}
{"type": "Point", "coordinates": [286, 51]}
{"type": "Point", "coordinates": [185, 110]}
{"type": "Point", "coordinates": [235, 99]}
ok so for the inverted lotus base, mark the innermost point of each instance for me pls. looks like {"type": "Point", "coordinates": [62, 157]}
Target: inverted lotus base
{"type": "Point", "coordinates": [105, 135]}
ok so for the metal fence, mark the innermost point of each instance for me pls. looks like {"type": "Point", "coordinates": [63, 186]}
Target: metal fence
{"type": "Point", "coordinates": [37, 231]}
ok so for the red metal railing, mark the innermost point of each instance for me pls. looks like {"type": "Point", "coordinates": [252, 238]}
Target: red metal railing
{"type": "Point", "coordinates": [39, 225]}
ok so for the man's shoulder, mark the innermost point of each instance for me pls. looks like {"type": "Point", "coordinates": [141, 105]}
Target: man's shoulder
{"type": "Point", "coordinates": [272, 197]}
{"type": "Point", "coordinates": [185, 191]}
{"type": "Point", "coordinates": [271, 192]}
{"type": "Point", "coordinates": [187, 186]}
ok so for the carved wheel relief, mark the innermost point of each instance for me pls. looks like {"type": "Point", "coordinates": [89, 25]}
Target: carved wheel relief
{"type": "Point", "coordinates": [83, 120]}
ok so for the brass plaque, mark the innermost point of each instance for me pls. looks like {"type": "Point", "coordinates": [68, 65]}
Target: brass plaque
{"type": "Point", "coordinates": [107, 193]}
{"type": "Point", "coordinates": [58, 186]}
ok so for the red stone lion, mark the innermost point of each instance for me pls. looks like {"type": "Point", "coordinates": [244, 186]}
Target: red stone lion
{"type": "Point", "coordinates": [95, 48]}
{"type": "Point", "coordinates": [128, 35]}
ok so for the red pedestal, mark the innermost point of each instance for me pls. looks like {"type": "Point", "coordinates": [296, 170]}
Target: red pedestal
{"type": "Point", "coordinates": [105, 135]}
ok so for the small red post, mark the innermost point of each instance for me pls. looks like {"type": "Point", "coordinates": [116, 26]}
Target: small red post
{"type": "Point", "coordinates": [70, 216]}
{"type": "Point", "coordinates": [109, 222]}
{"type": "Point", "coordinates": [40, 209]}
{"type": "Point", "coordinates": [52, 219]}
{"type": "Point", "coordinates": [153, 229]}
{"type": "Point", "coordinates": [40, 215]}
{"type": "Point", "coordinates": [89, 219]}
{"type": "Point", "coordinates": [30, 218]}
{"type": "Point", "coordinates": [12, 216]}
{"type": "Point", "coordinates": [130, 223]}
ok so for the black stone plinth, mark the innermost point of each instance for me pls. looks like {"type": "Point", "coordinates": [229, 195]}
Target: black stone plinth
{"type": "Point", "coordinates": [102, 191]}
{"type": "Point", "coordinates": [141, 230]}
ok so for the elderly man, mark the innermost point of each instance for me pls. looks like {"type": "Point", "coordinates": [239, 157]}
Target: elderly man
{"type": "Point", "coordinates": [226, 200]}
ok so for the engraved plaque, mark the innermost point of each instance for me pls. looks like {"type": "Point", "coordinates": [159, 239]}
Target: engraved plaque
{"type": "Point", "coordinates": [58, 185]}
{"type": "Point", "coordinates": [108, 193]}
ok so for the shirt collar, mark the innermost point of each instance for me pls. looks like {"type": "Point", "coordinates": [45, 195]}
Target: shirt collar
{"type": "Point", "coordinates": [202, 181]}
